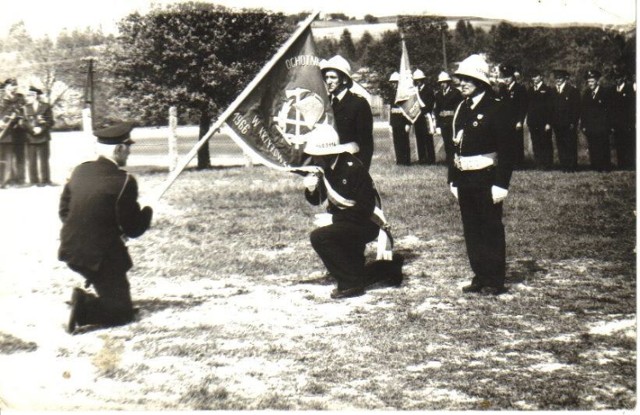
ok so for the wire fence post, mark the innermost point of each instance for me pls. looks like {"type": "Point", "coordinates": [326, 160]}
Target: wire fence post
{"type": "Point", "coordinates": [173, 138]}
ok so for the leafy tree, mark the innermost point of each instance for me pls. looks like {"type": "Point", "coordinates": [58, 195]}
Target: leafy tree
{"type": "Point", "coordinates": [383, 59]}
{"type": "Point", "coordinates": [197, 56]}
{"type": "Point", "coordinates": [370, 19]}
{"type": "Point", "coordinates": [346, 48]}
{"type": "Point", "coordinates": [363, 45]}
{"type": "Point", "coordinates": [55, 67]}
{"type": "Point", "coordinates": [339, 16]}
{"type": "Point", "coordinates": [423, 37]}
{"type": "Point", "coordinates": [326, 47]}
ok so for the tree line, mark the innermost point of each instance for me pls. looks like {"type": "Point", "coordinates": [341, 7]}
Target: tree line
{"type": "Point", "coordinates": [199, 57]}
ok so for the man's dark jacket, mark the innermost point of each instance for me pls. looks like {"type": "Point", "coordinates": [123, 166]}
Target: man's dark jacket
{"type": "Point", "coordinates": [354, 123]}
{"type": "Point", "coordinates": [98, 207]}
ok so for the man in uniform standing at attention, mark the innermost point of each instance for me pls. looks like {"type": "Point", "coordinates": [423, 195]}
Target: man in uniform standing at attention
{"type": "Point", "coordinates": [99, 209]}
{"type": "Point", "coordinates": [480, 175]}
{"type": "Point", "coordinates": [514, 96]}
{"type": "Point", "coordinates": [595, 122]}
{"type": "Point", "coordinates": [623, 120]}
{"type": "Point", "coordinates": [38, 120]}
{"type": "Point", "coordinates": [12, 139]}
{"type": "Point", "coordinates": [539, 121]}
{"type": "Point", "coordinates": [354, 120]}
{"type": "Point", "coordinates": [446, 102]}
{"type": "Point", "coordinates": [399, 128]}
{"type": "Point", "coordinates": [424, 123]}
{"type": "Point", "coordinates": [565, 113]}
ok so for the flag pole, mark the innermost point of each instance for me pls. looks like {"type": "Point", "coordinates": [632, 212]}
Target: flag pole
{"type": "Point", "coordinates": [234, 105]}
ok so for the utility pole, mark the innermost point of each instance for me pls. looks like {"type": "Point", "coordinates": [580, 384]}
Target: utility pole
{"type": "Point", "coordinates": [88, 91]}
{"type": "Point", "coordinates": [444, 46]}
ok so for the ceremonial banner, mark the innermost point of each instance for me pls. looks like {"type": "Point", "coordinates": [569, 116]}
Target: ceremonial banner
{"type": "Point", "coordinates": [407, 93]}
{"type": "Point", "coordinates": [289, 105]}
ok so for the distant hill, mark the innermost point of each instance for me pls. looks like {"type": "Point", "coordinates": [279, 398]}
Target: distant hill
{"type": "Point", "coordinates": [333, 28]}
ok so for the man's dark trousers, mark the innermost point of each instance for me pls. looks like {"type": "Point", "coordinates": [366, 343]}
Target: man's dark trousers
{"type": "Point", "coordinates": [484, 235]}
{"type": "Point", "coordinates": [341, 247]}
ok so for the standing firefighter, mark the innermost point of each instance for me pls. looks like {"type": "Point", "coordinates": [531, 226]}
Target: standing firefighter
{"type": "Point", "coordinates": [354, 120]}
{"type": "Point", "coordinates": [423, 126]}
{"type": "Point", "coordinates": [447, 99]}
{"type": "Point", "coordinates": [38, 120]}
{"type": "Point", "coordinates": [480, 175]}
{"type": "Point", "coordinates": [99, 210]}
{"type": "Point", "coordinates": [399, 128]}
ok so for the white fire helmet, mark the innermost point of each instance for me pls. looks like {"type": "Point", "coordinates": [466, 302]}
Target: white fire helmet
{"type": "Point", "coordinates": [476, 67]}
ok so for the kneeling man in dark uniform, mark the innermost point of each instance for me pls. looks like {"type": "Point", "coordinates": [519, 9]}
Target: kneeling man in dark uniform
{"type": "Point", "coordinates": [99, 210]}
{"type": "Point", "coordinates": [346, 189]}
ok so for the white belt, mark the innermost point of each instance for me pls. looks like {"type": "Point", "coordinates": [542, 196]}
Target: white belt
{"type": "Point", "coordinates": [479, 162]}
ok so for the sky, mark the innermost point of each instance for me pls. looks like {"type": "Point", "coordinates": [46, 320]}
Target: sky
{"type": "Point", "coordinates": [51, 16]}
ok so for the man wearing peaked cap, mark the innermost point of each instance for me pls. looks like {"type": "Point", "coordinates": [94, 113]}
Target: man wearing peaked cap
{"type": "Point", "coordinates": [37, 122]}
{"type": "Point", "coordinates": [595, 121]}
{"type": "Point", "coordinates": [12, 136]}
{"type": "Point", "coordinates": [565, 114]}
{"type": "Point", "coordinates": [99, 209]}
{"type": "Point", "coordinates": [346, 189]}
{"type": "Point", "coordinates": [424, 124]}
{"type": "Point", "coordinates": [515, 99]}
{"type": "Point", "coordinates": [480, 175]}
{"type": "Point", "coordinates": [446, 100]}
{"type": "Point", "coordinates": [623, 119]}
{"type": "Point", "coordinates": [115, 134]}
{"type": "Point", "coordinates": [353, 117]}
{"type": "Point", "coordinates": [539, 120]}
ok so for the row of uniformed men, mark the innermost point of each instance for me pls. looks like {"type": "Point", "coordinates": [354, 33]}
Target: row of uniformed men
{"type": "Point", "coordinates": [602, 114]}
{"type": "Point", "coordinates": [25, 124]}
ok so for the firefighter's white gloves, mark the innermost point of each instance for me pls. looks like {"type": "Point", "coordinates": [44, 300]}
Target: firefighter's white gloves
{"type": "Point", "coordinates": [454, 190]}
{"type": "Point", "coordinates": [498, 194]}
{"type": "Point", "coordinates": [310, 181]}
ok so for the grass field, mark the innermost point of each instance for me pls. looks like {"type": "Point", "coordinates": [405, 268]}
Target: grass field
{"type": "Point", "coordinates": [235, 312]}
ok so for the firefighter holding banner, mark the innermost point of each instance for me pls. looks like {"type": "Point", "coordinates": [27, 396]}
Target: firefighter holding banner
{"type": "Point", "coordinates": [344, 186]}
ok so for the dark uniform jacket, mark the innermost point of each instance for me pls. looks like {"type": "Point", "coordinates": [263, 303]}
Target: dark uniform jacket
{"type": "Point", "coordinates": [445, 107]}
{"type": "Point", "coordinates": [12, 108]}
{"type": "Point", "coordinates": [594, 112]}
{"type": "Point", "coordinates": [622, 107]}
{"type": "Point", "coordinates": [427, 98]}
{"type": "Point", "coordinates": [515, 103]}
{"type": "Point", "coordinates": [486, 130]}
{"type": "Point", "coordinates": [354, 123]}
{"type": "Point", "coordinates": [539, 109]}
{"type": "Point", "coordinates": [351, 180]}
{"type": "Point", "coordinates": [98, 207]}
{"type": "Point", "coordinates": [41, 117]}
{"type": "Point", "coordinates": [565, 107]}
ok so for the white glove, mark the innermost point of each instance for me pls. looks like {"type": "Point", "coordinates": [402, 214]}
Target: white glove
{"type": "Point", "coordinates": [37, 130]}
{"type": "Point", "coordinates": [498, 194]}
{"type": "Point", "coordinates": [310, 181]}
{"type": "Point", "coordinates": [454, 190]}
{"type": "Point", "coordinates": [382, 253]}
{"type": "Point", "coordinates": [438, 131]}
{"type": "Point", "coordinates": [323, 219]}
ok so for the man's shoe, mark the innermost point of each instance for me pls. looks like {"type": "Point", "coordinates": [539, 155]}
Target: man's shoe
{"type": "Point", "coordinates": [473, 288]}
{"type": "Point", "coordinates": [347, 293]}
{"type": "Point", "coordinates": [77, 308]}
{"type": "Point", "coordinates": [493, 290]}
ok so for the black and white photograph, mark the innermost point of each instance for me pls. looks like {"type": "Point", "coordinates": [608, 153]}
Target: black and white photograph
{"type": "Point", "coordinates": [242, 205]}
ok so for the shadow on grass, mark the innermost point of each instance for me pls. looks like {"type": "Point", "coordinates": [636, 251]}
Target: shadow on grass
{"type": "Point", "coordinates": [523, 270]}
